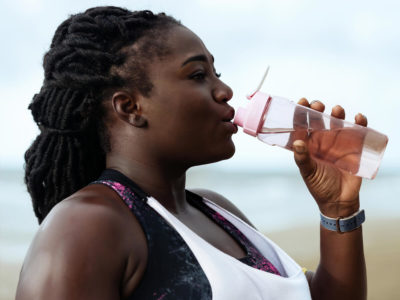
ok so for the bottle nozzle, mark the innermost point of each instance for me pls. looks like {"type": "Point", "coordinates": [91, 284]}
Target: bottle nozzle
{"type": "Point", "coordinates": [260, 85]}
{"type": "Point", "coordinates": [240, 116]}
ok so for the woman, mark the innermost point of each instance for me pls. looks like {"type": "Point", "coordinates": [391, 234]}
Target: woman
{"type": "Point", "coordinates": [130, 101]}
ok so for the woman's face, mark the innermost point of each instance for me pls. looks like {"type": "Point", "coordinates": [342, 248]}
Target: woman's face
{"type": "Point", "coordinates": [187, 112]}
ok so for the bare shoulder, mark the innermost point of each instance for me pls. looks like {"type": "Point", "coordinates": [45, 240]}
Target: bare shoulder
{"type": "Point", "coordinates": [82, 249]}
{"type": "Point", "coordinates": [223, 202]}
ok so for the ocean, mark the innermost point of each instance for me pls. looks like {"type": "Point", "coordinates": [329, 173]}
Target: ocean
{"type": "Point", "coordinates": [272, 201]}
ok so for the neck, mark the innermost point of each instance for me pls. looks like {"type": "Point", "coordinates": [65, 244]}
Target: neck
{"type": "Point", "coordinates": [164, 183]}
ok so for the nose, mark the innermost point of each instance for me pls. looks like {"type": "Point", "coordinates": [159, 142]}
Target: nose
{"type": "Point", "coordinates": [222, 92]}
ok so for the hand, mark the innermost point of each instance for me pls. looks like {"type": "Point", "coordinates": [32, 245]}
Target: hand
{"type": "Point", "coordinates": [335, 191]}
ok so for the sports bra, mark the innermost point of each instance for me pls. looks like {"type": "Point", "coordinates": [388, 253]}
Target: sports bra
{"type": "Point", "coordinates": [182, 265]}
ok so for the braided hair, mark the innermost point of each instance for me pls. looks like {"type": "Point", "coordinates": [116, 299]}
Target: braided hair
{"type": "Point", "coordinates": [90, 56]}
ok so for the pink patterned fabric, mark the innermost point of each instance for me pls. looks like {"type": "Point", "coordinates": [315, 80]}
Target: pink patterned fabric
{"type": "Point", "coordinates": [253, 257]}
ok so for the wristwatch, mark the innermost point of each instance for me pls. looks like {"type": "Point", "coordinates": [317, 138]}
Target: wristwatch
{"type": "Point", "coordinates": [341, 224]}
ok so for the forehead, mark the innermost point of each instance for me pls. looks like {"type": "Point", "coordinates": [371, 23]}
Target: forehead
{"type": "Point", "coordinates": [183, 43]}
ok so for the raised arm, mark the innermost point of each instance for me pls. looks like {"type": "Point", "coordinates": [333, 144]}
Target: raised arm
{"type": "Point", "coordinates": [341, 273]}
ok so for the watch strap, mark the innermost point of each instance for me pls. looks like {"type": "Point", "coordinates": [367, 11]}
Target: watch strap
{"type": "Point", "coordinates": [341, 224]}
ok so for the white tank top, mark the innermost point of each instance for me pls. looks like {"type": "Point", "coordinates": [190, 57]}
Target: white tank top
{"type": "Point", "coordinates": [231, 279]}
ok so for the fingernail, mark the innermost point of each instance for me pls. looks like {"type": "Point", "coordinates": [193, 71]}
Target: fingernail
{"type": "Point", "coordinates": [299, 147]}
{"type": "Point", "coordinates": [314, 101]}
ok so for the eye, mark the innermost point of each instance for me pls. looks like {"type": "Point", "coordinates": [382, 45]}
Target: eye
{"type": "Point", "coordinates": [198, 76]}
{"type": "Point", "coordinates": [201, 75]}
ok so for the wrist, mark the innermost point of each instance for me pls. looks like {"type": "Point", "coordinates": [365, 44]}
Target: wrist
{"type": "Point", "coordinates": [335, 210]}
{"type": "Point", "coordinates": [342, 225]}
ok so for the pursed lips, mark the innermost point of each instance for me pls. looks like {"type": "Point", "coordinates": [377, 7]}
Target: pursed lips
{"type": "Point", "coordinates": [229, 115]}
{"type": "Point", "coordinates": [228, 119]}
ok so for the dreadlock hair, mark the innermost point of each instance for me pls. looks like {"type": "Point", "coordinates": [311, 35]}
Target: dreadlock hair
{"type": "Point", "coordinates": [91, 55]}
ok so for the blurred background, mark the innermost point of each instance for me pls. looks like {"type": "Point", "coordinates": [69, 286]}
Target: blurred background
{"type": "Point", "coordinates": [339, 52]}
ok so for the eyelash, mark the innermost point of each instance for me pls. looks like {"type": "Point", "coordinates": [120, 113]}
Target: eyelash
{"type": "Point", "coordinates": [203, 75]}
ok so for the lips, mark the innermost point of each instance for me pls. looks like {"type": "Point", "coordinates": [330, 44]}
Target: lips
{"type": "Point", "coordinates": [228, 119]}
{"type": "Point", "coordinates": [229, 115]}
{"type": "Point", "coordinates": [234, 127]}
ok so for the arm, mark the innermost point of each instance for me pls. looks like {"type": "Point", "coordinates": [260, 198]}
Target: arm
{"type": "Point", "coordinates": [341, 273]}
{"type": "Point", "coordinates": [80, 252]}
{"type": "Point", "coordinates": [341, 268]}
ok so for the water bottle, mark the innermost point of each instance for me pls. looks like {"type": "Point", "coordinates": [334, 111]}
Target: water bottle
{"type": "Point", "coordinates": [278, 121]}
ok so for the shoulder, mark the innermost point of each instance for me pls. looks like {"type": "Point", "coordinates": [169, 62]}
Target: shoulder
{"type": "Point", "coordinates": [93, 217]}
{"type": "Point", "coordinates": [83, 248]}
{"type": "Point", "coordinates": [223, 202]}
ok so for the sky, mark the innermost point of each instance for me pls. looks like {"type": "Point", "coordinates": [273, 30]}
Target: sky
{"type": "Point", "coordinates": [339, 52]}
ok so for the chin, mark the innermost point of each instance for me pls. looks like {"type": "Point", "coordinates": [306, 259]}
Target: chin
{"type": "Point", "coordinates": [231, 152]}
{"type": "Point", "coordinates": [218, 154]}
{"type": "Point", "coordinates": [227, 153]}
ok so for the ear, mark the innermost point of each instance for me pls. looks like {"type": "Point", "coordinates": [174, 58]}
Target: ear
{"type": "Point", "coordinates": [128, 108]}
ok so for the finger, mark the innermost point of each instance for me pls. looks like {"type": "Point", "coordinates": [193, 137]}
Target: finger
{"type": "Point", "coordinates": [300, 124]}
{"type": "Point", "coordinates": [361, 120]}
{"type": "Point", "coordinates": [303, 159]}
{"type": "Point", "coordinates": [304, 102]}
{"type": "Point", "coordinates": [316, 119]}
{"type": "Point", "coordinates": [300, 116]}
{"type": "Point", "coordinates": [338, 112]}
{"type": "Point", "coordinates": [317, 105]}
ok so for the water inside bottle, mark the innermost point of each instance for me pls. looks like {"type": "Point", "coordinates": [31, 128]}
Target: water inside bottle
{"type": "Point", "coordinates": [355, 150]}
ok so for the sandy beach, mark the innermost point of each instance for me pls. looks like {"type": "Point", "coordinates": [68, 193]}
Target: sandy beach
{"type": "Point", "coordinates": [382, 251]}
{"type": "Point", "coordinates": [382, 254]}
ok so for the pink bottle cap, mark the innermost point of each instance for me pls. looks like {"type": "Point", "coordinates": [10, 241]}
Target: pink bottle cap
{"type": "Point", "coordinates": [251, 118]}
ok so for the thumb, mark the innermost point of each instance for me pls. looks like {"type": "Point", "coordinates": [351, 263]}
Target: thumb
{"type": "Point", "coordinates": [303, 159]}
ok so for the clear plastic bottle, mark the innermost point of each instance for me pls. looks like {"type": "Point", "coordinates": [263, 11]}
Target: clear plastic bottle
{"type": "Point", "coordinates": [278, 121]}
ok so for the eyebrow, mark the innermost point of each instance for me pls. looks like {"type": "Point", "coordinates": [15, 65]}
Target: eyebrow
{"type": "Point", "coordinates": [200, 57]}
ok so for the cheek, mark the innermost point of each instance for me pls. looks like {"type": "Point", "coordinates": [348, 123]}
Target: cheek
{"type": "Point", "coordinates": [189, 128]}
{"type": "Point", "coordinates": [192, 114]}
{"type": "Point", "coordinates": [194, 129]}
